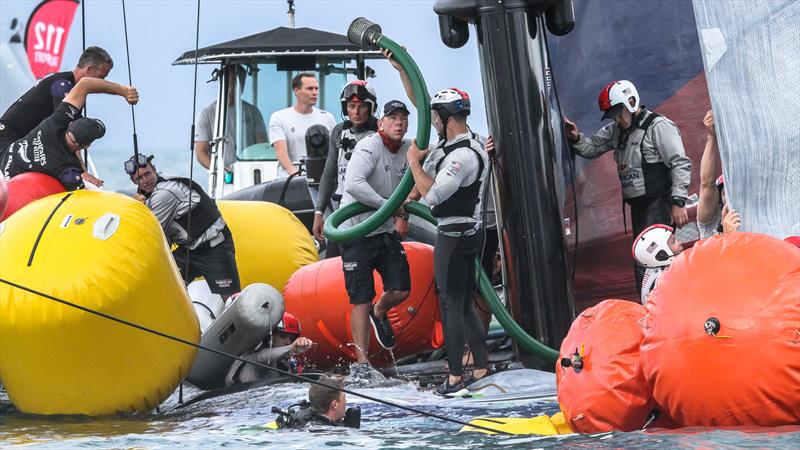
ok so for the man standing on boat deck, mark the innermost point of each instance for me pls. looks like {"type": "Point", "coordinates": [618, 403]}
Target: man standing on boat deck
{"type": "Point", "coordinates": [287, 127]}
{"type": "Point", "coordinates": [40, 101]}
{"type": "Point", "coordinates": [211, 253]}
{"type": "Point", "coordinates": [253, 129]}
{"type": "Point", "coordinates": [359, 105]}
{"type": "Point", "coordinates": [651, 162]}
{"type": "Point", "coordinates": [452, 180]}
{"type": "Point", "coordinates": [375, 170]}
{"type": "Point", "coordinates": [52, 146]}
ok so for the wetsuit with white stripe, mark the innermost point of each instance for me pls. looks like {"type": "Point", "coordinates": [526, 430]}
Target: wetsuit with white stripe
{"type": "Point", "coordinates": [459, 168]}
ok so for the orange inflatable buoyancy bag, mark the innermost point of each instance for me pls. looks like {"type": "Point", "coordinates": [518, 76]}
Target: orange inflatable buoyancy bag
{"type": "Point", "coordinates": [316, 295]}
{"type": "Point", "coordinates": [600, 382]}
{"type": "Point", "coordinates": [722, 339]}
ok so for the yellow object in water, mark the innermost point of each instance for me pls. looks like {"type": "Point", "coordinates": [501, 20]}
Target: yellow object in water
{"type": "Point", "coordinates": [541, 425]}
{"type": "Point", "coordinates": [106, 252]}
{"type": "Point", "coordinates": [271, 242]}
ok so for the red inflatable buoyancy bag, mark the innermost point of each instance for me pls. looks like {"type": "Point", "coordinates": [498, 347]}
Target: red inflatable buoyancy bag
{"type": "Point", "coordinates": [316, 295]}
{"type": "Point", "coordinates": [25, 188]}
{"type": "Point", "coordinates": [722, 339]}
{"type": "Point", "coordinates": [600, 382]}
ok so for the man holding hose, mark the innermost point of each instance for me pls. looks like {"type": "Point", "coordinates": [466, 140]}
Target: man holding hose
{"type": "Point", "coordinates": [451, 180]}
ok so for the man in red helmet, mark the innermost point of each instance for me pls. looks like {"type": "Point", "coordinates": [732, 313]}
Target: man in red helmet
{"type": "Point", "coordinates": [714, 215]}
{"type": "Point", "coordinates": [651, 162]}
{"type": "Point", "coordinates": [359, 104]}
{"type": "Point", "coordinates": [278, 349]}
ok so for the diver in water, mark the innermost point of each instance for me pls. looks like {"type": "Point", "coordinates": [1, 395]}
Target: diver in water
{"type": "Point", "coordinates": [359, 105]}
{"type": "Point", "coordinates": [325, 406]}
{"type": "Point", "coordinates": [654, 249]}
{"type": "Point", "coordinates": [278, 349]}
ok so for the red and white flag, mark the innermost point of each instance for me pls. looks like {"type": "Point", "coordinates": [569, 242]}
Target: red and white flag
{"type": "Point", "coordinates": [46, 35]}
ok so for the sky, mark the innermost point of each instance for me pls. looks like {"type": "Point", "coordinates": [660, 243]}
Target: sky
{"type": "Point", "coordinates": [160, 31]}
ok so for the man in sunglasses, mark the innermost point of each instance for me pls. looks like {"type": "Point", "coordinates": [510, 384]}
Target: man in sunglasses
{"type": "Point", "coordinates": [52, 146]}
{"type": "Point", "coordinates": [654, 249]}
{"type": "Point", "coordinates": [205, 244]}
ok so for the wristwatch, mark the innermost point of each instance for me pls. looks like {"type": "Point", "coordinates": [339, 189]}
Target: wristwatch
{"type": "Point", "coordinates": [679, 202]}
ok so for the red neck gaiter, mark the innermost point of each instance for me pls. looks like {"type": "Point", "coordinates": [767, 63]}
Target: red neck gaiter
{"type": "Point", "coordinates": [389, 143]}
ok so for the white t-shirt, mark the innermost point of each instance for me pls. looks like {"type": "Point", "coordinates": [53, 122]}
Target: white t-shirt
{"type": "Point", "coordinates": [291, 126]}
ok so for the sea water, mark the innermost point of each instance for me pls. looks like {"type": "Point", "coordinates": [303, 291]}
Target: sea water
{"type": "Point", "coordinates": [236, 421]}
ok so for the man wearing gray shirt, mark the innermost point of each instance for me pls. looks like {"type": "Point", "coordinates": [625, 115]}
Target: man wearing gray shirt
{"type": "Point", "coordinates": [375, 170]}
{"type": "Point", "coordinates": [205, 243]}
{"type": "Point", "coordinates": [252, 125]}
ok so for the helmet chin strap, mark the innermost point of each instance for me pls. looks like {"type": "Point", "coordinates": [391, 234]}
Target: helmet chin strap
{"type": "Point", "coordinates": [444, 118]}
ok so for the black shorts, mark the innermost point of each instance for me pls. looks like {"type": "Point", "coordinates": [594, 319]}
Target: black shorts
{"type": "Point", "coordinates": [216, 264]}
{"type": "Point", "coordinates": [382, 252]}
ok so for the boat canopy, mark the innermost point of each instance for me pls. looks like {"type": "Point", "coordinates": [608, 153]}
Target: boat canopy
{"type": "Point", "coordinates": [280, 43]}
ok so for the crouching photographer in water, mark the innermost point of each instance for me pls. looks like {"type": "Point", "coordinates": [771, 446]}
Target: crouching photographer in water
{"type": "Point", "coordinates": [326, 405]}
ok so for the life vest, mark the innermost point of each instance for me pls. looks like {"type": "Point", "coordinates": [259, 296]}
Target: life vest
{"type": "Point", "coordinates": [638, 176]}
{"type": "Point", "coordinates": [463, 201]}
{"type": "Point", "coordinates": [204, 213]}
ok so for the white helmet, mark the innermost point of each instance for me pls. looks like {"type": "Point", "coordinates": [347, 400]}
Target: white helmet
{"type": "Point", "coordinates": [617, 93]}
{"type": "Point", "coordinates": [359, 91]}
{"type": "Point", "coordinates": [454, 101]}
{"type": "Point", "coordinates": [651, 247]}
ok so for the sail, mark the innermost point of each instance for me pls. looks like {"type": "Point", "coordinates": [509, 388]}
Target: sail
{"type": "Point", "coordinates": [46, 35]}
{"type": "Point", "coordinates": [750, 55]}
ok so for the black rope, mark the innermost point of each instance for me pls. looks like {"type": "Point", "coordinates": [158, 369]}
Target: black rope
{"type": "Point", "coordinates": [236, 358]}
{"type": "Point", "coordinates": [566, 142]}
{"type": "Point", "coordinates": [130, 83]}
{"type": "Point", "coordinates": [46, 222]}
{"type": "Point", "coordinates": [191, 144]}
{"type": "Point", "coordinates": [83, 49]}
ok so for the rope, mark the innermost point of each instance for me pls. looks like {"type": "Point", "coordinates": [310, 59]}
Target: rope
{"type": "Point", "coordinates": [236, 358]}
{"type": "Point", "coordinates": [83, 49]}
{"type": "Point", "coordinates": [191, 144]}
{"type": "Point", "coordinates": [130, 83]}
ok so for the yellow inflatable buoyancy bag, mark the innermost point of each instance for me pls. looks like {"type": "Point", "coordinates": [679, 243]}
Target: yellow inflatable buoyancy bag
{"type": "Point", "coordinates": [106, 252]}
{"type": "Point", "coordinates": [271, 243]}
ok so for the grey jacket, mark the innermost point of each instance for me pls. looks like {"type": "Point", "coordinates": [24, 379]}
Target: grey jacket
{"type": "Point", "coordinates": [332, 179]}
{"type": "Point", "coordinates": [660, 143]}
{"type": "Point", "coordinates": [372, 176]}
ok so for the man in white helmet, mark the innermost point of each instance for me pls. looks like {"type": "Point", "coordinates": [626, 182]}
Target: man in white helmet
{"type": "Point", "coordinates": [654, 249]}
{"type": "Point", "coordinates": [651, 162]}
{"type": "Point", "coordinates": [359, 105]}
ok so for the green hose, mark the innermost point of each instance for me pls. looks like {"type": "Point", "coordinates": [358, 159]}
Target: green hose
{"type": "Point", "coordinates": [486, 289]}
{"type": "Point", "coordinates": [394, 202]}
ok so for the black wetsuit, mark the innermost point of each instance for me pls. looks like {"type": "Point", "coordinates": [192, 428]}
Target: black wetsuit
{"type": "Point", "coordinates": [44, 150]}
{"type": "Point", "coordinates": [459, 168]}
{"type": "Point", "coordinates": [34, 106]}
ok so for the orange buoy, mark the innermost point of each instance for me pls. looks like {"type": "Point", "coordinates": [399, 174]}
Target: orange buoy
{"type": "Point", "coordinates": [722, 341]}
{"type": "Point", "coordinates": [25, 188]}
{"type": "Point", "coordinates": [317, 296]}
{"type": "Point", "coordinates": [600, 382]}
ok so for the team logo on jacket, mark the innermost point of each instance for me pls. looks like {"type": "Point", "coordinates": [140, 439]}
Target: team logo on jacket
{"type": "Point", "coordinates": [23, 151]}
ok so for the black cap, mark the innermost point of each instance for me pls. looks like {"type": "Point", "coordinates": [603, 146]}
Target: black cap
{"type": "Point", "coordinates": [86, 130]}
{"type": "Point", "coordinates": [393, 106]}
{"type": "Point", "coordinates": [613, 112]}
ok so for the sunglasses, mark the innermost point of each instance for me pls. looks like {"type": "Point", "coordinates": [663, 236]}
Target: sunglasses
{"type": "Point", "coordinates": [135, 162]}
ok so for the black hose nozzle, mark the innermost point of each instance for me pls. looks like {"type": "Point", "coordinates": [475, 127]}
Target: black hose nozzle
{"type": "Point", "coordinates": [365, 33]}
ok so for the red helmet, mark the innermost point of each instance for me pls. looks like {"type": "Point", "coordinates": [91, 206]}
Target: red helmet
{"type": "Point", "coordinates": [720, 181]}
{"type": "Point", "coordinates": [618, 93]}
{"type": "Point", "coordinates": [359, 91]}
{"type": "Point", "coordinates": [289, 324]}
